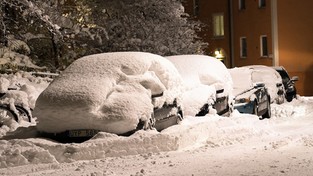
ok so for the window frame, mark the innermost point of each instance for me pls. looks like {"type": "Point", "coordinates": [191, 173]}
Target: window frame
{"type": "Point", "coordinates": [196, 7]}
{"type": "Point", "coordinates": [262, 4]}
{"type": "Point", "coordinates": [243, 47]}
{"type": "Point", "coordinates": [242, 4]}
{"type": "Point", "coordinates": [264, 46]}
{"type": "Point", "coordinates": [218, 27]}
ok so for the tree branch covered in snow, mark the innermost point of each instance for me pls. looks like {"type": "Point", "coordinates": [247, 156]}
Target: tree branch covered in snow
{"type": "Point", "coordinates": [60, 31]}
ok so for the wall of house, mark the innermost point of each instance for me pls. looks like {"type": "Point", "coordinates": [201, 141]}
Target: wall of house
{"type": "Point", "coordinates": [294, 34]}
{"type": "Point", "coordinates": [252, 22]}
{"type": "Point", "coordinates": [295, 41]}
{"type": "Point", "coordinates": [206, 9]}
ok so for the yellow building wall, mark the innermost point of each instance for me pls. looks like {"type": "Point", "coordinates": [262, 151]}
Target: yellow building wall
{"type": "Point", "coordinates": [295, 41]}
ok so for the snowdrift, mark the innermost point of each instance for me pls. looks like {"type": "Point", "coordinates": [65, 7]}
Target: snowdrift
{"type": "Point", "coordinates": [109, 92]}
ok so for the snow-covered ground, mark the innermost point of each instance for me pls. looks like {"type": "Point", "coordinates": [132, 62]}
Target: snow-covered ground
{"type": "Point", "coordinates": [211, 145]}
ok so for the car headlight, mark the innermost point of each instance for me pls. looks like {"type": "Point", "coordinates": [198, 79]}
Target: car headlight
{"type": "Point", "coordinates": [242, 100]}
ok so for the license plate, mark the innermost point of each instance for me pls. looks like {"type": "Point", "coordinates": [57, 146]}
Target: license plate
{"type": "Point", "coordinates": [82, 133]}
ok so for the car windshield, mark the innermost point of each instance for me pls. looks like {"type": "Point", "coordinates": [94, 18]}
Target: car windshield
{"type": "Point", "coordinates": [242, 79]}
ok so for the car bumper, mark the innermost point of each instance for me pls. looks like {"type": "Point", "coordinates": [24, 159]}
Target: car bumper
{"type": "Point", "coordinates": [245, 107]}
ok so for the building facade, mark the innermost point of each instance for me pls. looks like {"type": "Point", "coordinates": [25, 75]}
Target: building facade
{"type": "Point", "coordinates": [259, 32]}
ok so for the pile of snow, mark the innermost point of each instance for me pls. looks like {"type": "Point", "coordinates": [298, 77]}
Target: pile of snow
{"type": "Point", "coordinates": [211, 131]}
{"type": "Point", "coordinates": [109, 92]}
{"type": "Point", "coordinates": [28, 88]}
{"type": "Point", "coordinates": [24, 82]}
{"type": "Point", "coordinates": [231, 145]}
{"type": "Point", "coordinates": [202, 76]}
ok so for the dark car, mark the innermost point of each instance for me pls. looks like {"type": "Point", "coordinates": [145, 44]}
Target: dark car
{"type": "Point", "coordinates": [272, 80]}
{"type": "Point", "coordinates": [250, 97]}
{"type": "Point", "coordinates": [289, 83]}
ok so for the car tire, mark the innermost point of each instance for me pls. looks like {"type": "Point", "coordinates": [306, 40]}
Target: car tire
{"type": "Point", "coordinates": [289, 98]}
{"type": "Point", "coordinates": [267, 114]}
{"type": "Point", "coordinates": [280, 99]}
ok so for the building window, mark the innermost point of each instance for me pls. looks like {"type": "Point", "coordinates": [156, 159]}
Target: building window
{"type": "Point", "coordinates": [218, 25]}
{"type": "Point", "coordinates": [196, 7]}
{"type": "Point", "coordinates": [264, 47]}
{"type": "Point", "coordinates": [242, 4]}
{"type": "Point", "coordinates": [262, 3]}
{"type": "Point", "coordinates": [243, 47]}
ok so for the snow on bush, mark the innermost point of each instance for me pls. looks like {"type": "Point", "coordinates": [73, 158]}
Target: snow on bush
{"type": "Point", "coordinates": [110, 92]}
{"type": "Point", "coordinates": [28, 88]}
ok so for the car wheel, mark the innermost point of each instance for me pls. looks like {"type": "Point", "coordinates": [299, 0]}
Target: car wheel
{"type": "Point", "coordinates": [280, 99]}
{"type": "Point", "coordinates": [289, 98]}
{"type": "Point", "coordinates": [268, 112]}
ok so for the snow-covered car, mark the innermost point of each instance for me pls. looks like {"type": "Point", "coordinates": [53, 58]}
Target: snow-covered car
{"type": "Point", "coordinates": [289, 83]}
{"type": "Point", "coordinates": [272, 80]}
{"type": "Point", "coordinates": [116, 92]}
{"type": "Point", "coordinates": [250, 97]}
{"type": "Point", "coordinates": [207, 83]}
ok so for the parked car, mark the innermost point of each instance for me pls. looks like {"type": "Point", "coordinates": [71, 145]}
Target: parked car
{"type": "Point", "coordinates": [208, 84]}
{"type": "Point", "coordinates": [250, 96]}
{"type": "Point", "coordinates": [272, 80]}
{"type": "Point", "coordinates": [117, 92]}
{"type": "Point", "coordinates": [289, 83]}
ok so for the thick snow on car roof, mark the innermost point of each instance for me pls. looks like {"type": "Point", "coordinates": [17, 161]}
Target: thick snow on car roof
{"type": "Point", "coordinates": [202, 76]}
{"type": "Point", "coordinates": [108, 92]}
{"type": "Point", "coordinates": [269, 76]}
{"type": "Point", "coordinates": [202, 69]}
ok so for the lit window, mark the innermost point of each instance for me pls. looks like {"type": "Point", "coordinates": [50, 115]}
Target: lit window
{"type": "Point", "coordinates": [262, 3]}
{"type": "Point", "coordinates": [243, 47]}
{"type": "Point", "coordinates": [264, 48]}
{"type": "Point", "coordinates": [218, 25]}
{"type": "Point", "coordinates": [242, 4]}
{"type": "Point", "coordinates": [196, 7]}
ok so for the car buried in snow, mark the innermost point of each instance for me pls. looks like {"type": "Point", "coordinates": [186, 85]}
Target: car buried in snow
{"type": "Point", "coordinates": [118, 92]}
{"type": "Point", "coordinates": [250, 97]}
{"type": "Point", "coordinates": [207, 82]}
{"type": "Point", "coordinates": [272, 80]}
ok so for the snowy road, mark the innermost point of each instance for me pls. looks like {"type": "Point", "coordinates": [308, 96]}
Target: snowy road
{"type": "Point", "coordinates": [212, 145]}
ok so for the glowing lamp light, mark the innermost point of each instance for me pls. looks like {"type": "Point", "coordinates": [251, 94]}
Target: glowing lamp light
{"type": "Point", "coordinates": [218, 54]}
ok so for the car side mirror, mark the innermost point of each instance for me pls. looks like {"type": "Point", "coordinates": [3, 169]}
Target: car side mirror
{"type": "Point", "coordinates": [219, 91]}
{"type": "Point", "coordinates": [157, 95]}
{"type": "Point", "coordinates": [295, 78]}
{"type": "Point", "coordinates": [258, 85]}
